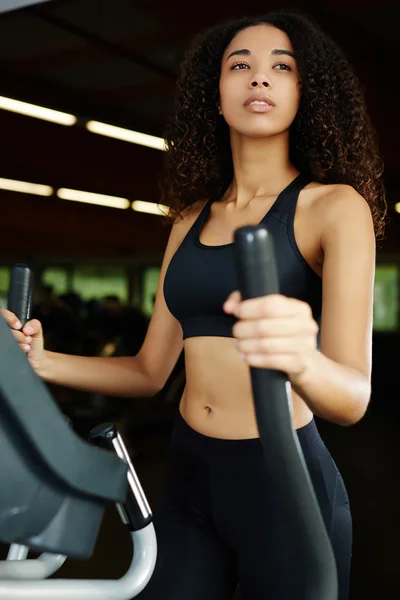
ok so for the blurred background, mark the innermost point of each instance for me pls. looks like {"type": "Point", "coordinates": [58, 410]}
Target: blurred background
{"type": "Point", "coordinates": [78, 204]}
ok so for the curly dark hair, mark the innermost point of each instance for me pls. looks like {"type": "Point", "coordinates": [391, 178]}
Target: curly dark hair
{"type": "Point", "coordinates": [331, 139]}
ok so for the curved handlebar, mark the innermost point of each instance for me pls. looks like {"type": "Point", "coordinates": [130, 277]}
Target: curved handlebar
{"type": "Point", "coordinates": [257, 274]}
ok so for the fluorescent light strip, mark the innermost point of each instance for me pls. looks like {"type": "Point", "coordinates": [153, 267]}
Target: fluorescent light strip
{"type": "Point", "coordinates": [39, 112]}
{"type": "Point", "coordinates": [80, 196]}
{"type": "Point", "coordinates": [127, 135]}
{"type": "Point", "coordinates": [150, 207]}
{"type": "Point", "coordinates": [91, 198]}
{"type": "Point", "coordinates": [24, 187]}
{"type": "Point", "coordinates": [55, 116]}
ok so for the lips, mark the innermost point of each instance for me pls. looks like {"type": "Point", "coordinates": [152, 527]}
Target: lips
{"type": "Point", "coordinates": [259, 100]}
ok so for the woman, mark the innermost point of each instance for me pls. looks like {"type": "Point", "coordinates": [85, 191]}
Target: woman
{"type": "Point", "coordinates": [269, 126]}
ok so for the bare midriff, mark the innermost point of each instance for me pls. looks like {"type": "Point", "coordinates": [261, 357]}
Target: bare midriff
{"type": "Point", "coordinates": [218, 400]}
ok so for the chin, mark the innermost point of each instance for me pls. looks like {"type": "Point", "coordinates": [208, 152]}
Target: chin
{"type": "Point", "coordinates": [260, 128]}
{"type": "Point", "coordinates": [261, 131]}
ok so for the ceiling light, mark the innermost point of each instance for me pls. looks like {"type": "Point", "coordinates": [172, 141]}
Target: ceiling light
{"type": "Point", "coordinates": [127, 135]}
{"type": "Point", "coordinates": [25, 187]}
{"type": "Point", "coordinates": [397, 207]}
{"type": "Point", "coordinates": [91, 198]}
{"type": "Point", "coordinates": [150, 207]}
{"type": "Point", "coordinates": [39, 112]}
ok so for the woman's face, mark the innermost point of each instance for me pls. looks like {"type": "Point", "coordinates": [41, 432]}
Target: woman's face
{"type": "Point", "coordinates": [259, 82]}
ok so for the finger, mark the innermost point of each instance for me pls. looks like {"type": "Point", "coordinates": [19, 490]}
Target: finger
{"type": "Point", "coordinates": [274, 305]}
{"type": "Point", "coordinates": [21, 338]}
{"type": "Point", "coordinates": [11, 319]}
{"type": "Point", "coordinates": [232, 302]}
{"type": "Point", "coordinates": [33, 327]}
{"type": "Point", "coordinates": [269, 346]}
{"type": "Point", "coordinates": [277, 362]}
{"type": "Point", "coordinates": [287, 327]}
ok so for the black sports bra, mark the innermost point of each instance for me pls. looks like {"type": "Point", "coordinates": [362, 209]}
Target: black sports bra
{"type": "Point", "coordinates": [199, 278]}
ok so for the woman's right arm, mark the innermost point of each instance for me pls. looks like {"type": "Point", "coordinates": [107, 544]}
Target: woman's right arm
{"type": "Point", "coordinates": [141, 375]}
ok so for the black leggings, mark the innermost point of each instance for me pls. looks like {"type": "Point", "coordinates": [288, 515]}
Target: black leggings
{"type": "Point", "coordinates": [219, 525]}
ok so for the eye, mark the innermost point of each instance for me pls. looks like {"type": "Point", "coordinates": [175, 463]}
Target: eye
{"type": "Point", "coordinates": [239, 66]}
{"type": "Point", "coordinates": [283, 67]}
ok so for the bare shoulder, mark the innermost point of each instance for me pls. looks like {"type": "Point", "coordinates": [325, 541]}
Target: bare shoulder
{"type": "Point", "coordinates": [339, 206]}
{"type": "Point", "coordinates": [332, 200]}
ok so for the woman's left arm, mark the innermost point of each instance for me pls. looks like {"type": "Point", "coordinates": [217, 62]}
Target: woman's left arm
{"type": "Point", "coordinates": [280, 333]}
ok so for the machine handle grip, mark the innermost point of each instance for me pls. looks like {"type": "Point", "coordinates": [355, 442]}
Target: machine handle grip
{"type": "Point", "coordinates": [255, 262]}
{"type": "Point", "coordinates": [258, 276]}
{"type": "Point", "coordinates": [20, 292]}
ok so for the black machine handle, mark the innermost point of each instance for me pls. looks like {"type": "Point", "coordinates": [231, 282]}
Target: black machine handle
{"type": "Point", "coordinates": [20, 292]}
{"type": "Point", "coordinates": [257, 274]}
{"type": "Point", "coordinates": [135, 512]}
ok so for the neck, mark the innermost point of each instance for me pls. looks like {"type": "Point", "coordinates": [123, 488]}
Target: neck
{"type": "Point", "coordinates": [261, 167]}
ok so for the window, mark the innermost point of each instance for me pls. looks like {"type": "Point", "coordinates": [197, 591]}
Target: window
{"type": "Point", "coordinates": [98, 281]}
{"type": "Point", "coordinates": [386, 298]}
{"type": "Point", "coordinates": [150, 283]}
{"type": "Point", "coordinates": [57, 278]}
{"type": "Point", "coordinates": [4, 283]}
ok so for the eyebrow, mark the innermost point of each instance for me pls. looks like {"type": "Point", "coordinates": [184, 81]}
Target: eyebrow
{"type": "Point", "coordinates": [276, 52]}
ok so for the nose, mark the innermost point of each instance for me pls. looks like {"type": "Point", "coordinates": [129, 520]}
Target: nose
{"type": "Point", "coordinates": [259, 81]}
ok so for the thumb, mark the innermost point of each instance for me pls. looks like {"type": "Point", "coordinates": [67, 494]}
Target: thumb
{"type": "Point", "coordinates": [232, 302]}
{"type": "Point", "coordinates": [33, 327]}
